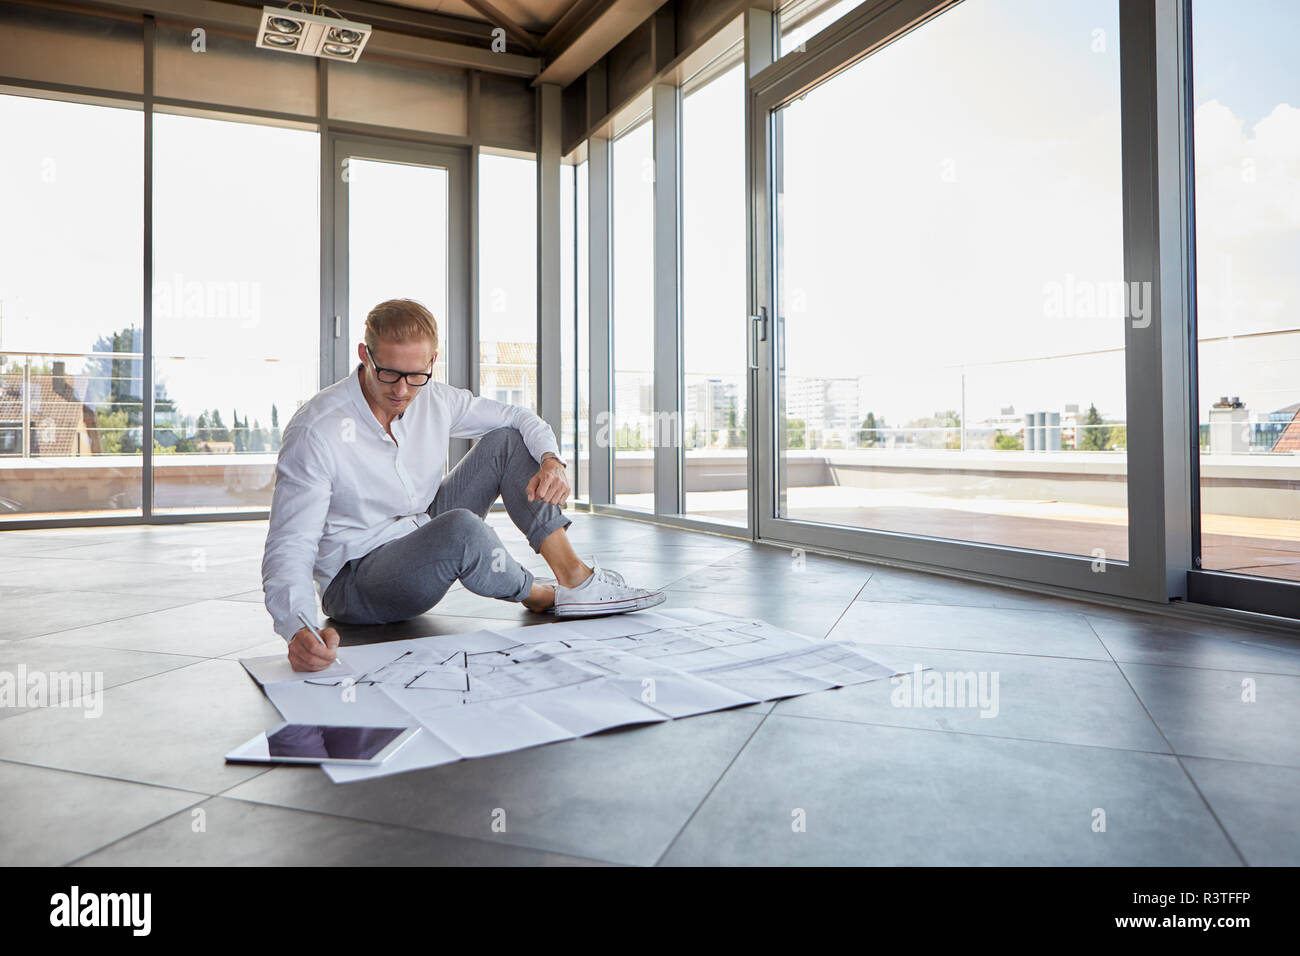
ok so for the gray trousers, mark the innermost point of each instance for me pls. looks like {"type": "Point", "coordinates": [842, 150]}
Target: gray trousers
{"type": "Point", "coordinates": [404, 578]}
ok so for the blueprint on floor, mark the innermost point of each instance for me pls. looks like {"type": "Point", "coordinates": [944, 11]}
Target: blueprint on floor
{"type": "Point", "coordinates": [492, 691]}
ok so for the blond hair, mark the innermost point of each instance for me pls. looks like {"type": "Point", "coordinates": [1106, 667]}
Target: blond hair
{"type": "Point", "coordinates": [400, 320]}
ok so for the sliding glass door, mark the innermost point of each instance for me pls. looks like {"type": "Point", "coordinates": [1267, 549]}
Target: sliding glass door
{"type": "Point", "coordinates": [632, 430]}
{"type": "Point", "coordinates": [969, 278]}
{"type": "Point", "coordinates": [715, 378]}
{"type": "Point", "coordinates": [235, 298]}
{"type": "Point", "coordinates": [400, 232]}
{"type": "Point", "coordinates": [71, 310]}
{"type": "Point", "coordinates": [953, 324]}
{"type": "Point", "coordinates": [1248, 289]}
{"type": "Point", "coordinates": [1247, 179]}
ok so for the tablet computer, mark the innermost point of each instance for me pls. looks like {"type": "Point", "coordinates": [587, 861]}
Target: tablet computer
{"type": "Point", "coordinates": [323, 743]}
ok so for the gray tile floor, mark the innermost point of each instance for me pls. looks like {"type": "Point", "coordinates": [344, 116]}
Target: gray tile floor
{"type": "Point", "coordinates": [1114, 737]}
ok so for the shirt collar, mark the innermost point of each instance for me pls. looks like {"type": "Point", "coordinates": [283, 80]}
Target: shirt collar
{"type": "Point", "coordinates": [359, 396]}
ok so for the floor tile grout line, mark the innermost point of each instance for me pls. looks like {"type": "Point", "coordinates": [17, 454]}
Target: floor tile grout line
{"type": "Point", "coordinates": [126, 836]}
{"type": "Point", "coordinates": [1212, 670]}
{"type": "Point", "coordinates": [205, 798]}
{"type": "Point", "coordinates": [427, 831]}
{"type": "Point", "coordinates": [967, 650]}
{"type": "Point", "coordinates": [830, 630]}
{"type": "Point", "coordinates": [1181, 766]}
{"type": "Point", "coordinates": [1284, 630]}
{"type": "Point", "coordinates": [1035, 740]}
{"type": "Point", "coordinates": [725, 770]}
{"type": "Point", "coordinates": [111, 620]}
{"type": "Point", "coordinates": [976, 607]}
{"type": "Point", "coordinates": [50, 642]}
{"type": "Point", "coordinates": [1110, 658]}
{"type": "Point", "coordinates": [983, 736]}
{"type": "Point", "coordinates": [126, 683]}
{"type": "Point", "coordinates": [201, 794]}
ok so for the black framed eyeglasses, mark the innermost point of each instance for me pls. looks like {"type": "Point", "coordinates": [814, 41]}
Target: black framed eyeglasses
{"type": "Point", "coordinates": [390, 376]}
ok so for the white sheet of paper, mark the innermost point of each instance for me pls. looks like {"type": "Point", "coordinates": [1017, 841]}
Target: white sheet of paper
{"type": "Point", "coordinates": [681, 695]}
{"type": "Point", "coordinates": [275, 668]}
{"type": "Point", "coordinates": [363, 706]}
{"type": "Point", "coordinates": [491, 727]}
{"type": "Point", "coordinates": [591, 707]}
{"type": "Point", "coordinates": [493, 691]}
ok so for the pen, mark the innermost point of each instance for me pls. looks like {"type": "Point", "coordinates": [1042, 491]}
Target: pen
{"type": "Point", "coordinates": [307, 624]}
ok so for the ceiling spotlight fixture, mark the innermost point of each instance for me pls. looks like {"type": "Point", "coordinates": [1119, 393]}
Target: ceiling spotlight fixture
{"type": "Point", "coordinates": [283, 25]}
{"type": "Point", "coordinates": [294, 30]}
{"type": "Point", "coordinates": [339, 49]}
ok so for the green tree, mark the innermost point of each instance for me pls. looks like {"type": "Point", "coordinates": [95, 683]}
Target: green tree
{"type": "Point", "coordinates": [1093, 435]}
{"type": "Point", "coordinates": [736, 437]}
{"type": "Point", "coordinates": [940, 430]}
{"type": "Point", "coordinates": [217, 428]}
{"type": "Point", "coordinates": [626, 438]}
{"type": "Point", "coordinates": [240, 434]}
{"type": "Point", "coordinates": [257, 438]}
{"type": "Point", "coordinates": [869, 433]}
{"type": "Point", "coordinates": [1007, 442]}
{"type": "Point", "coordinates": [112, 430]}
{"type": "Point", "coordinates": [113, 390]}
{"type": "Point", "coordinates": [796, 433]}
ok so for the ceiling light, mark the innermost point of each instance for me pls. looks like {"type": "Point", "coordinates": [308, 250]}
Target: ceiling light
{"type": "Point", "coordinates": [283, 25]}
{"type": "Point", "coordinates": [295, 31]}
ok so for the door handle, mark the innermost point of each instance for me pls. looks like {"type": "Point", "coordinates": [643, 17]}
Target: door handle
{"type": "Point", "coordinates": [757, 333]}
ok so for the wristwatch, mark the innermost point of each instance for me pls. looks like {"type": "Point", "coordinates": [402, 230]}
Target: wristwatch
{"type": "Point", "coordinates": [551, 454]}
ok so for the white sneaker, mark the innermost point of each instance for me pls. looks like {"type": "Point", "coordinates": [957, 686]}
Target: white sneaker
{"type": "Point", "coordinates": [605, 592]}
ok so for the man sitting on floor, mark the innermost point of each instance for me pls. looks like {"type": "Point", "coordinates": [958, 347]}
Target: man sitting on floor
{"type": "Point", "coordinates": [361, 504]}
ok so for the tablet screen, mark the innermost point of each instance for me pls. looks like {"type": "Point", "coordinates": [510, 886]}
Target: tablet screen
{"type": "Point", "coordinates": [325, 742]}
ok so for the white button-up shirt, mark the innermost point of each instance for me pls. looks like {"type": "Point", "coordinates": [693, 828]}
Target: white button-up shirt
{"type": "Point", "coordinates": [343, 487]}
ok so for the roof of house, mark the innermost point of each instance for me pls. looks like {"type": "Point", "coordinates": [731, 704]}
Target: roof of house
{"type": "Point", "coordinates": [55, 418]}
{"type": "Point", "coordinates": [507, 353]}
{"type": "Point", "coordinates": [1289, 440]}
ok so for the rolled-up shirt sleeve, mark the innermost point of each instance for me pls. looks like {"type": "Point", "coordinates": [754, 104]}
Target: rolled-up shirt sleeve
{"type": "Point", "coordinates": [472, 416]}
{"type": "Point", "coordinates": [299, 507]}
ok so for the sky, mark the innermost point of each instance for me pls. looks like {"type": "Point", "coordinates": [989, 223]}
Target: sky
{"type": "Point", "coordinates": [934, 197]}
{"type": "Point", "coordinates": [1247, 129]}
{"type": "Point", "coordinates": [946, 223]}
{"type": "Point", "coordinates": [236, 247]}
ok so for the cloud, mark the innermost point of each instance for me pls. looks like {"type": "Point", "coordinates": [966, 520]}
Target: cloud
{"type": "Point", "coordinates": [1247, 220]}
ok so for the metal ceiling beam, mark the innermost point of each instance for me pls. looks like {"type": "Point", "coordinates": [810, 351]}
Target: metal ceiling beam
{"type": "Point", "coordinates": [573, 23]}
{"type": "Point", "coordinates": [513, 29]}
{"type": "Point", "coordinates": [603, 31]}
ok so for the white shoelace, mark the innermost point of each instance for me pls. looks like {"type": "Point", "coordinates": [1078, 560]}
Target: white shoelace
{"type": "Point", "coordinates": [609, 577]}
